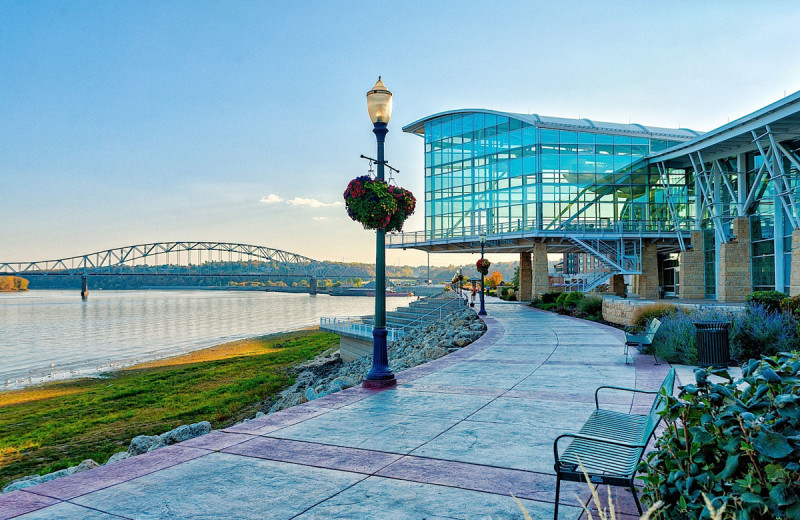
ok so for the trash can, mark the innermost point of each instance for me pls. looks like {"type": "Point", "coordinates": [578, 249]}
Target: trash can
{"type": "Point", "coordinates": [712, 344]}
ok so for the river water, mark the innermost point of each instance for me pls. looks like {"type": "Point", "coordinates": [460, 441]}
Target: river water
{"type": "Point", "coordinates": [49, 335]}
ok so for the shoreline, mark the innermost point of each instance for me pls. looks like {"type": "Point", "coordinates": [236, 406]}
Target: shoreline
{"type": "Point", "coordinates": [56, 425]}
{"type": "Point", "coordinates": [217, 352]}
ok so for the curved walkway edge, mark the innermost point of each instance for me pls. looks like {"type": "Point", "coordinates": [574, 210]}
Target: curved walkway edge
{"type": "Point", "coordinates": [454, 439]}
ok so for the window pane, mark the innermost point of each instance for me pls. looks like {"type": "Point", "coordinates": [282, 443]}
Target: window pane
{"type": "Point", "coordinates": [549, 136]}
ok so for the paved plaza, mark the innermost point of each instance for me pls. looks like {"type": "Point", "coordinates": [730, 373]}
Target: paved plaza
{"type": "Point", "coordinates": [455, 439]}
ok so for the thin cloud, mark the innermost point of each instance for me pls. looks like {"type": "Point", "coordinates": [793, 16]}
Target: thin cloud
{"type": "Point", "coordinates": [271, 199]}
{"type": "Point", "coordinates": [312, 203]}
{"type": "Point", "coordinates": [319, 218]}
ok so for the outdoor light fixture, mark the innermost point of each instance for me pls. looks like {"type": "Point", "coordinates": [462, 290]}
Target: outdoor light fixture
{"type": "Point", "coordinates": [482, 312]}
{"type": "Point", "coordinates": [379, 106]}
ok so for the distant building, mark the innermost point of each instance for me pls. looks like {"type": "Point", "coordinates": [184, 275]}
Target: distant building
{"type": "Point", "coordinates": [673, 212]}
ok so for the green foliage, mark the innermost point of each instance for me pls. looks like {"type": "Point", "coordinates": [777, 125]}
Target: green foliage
{"type": "Point", "coordinates": [792, 305]}
{"type": "Point", "coordinates": [642, 315]}
{"type": "Point", "coordinates": [737, 441]}
{"type": "Point", "coordinates": [761, 330]}
{"type": "Point", "coordinates": [562, 298]}
{"type": "Point", "coordinates": [549, 306]}
{"type": "Point", "coordinates": [550, 297]}
{"type": "Point", "coordinates": [769, 299]}
{"type": "Point", "coordinates": [508, 294]}
{"type": "Point", "coordinates": [43, 429]}
{"type": "Point", "coordinates": [676, 339]}
{"type": "Point", "coordinates": [370, 202]}
{"type": "Point", "coordinates": [405, 202]}
{"type": "Point", "coordinates": [592, 306]}
{"type": "Point", "coordinates": [573, 299]}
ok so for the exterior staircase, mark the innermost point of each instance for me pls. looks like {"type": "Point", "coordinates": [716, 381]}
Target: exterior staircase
{"type": "Point", "coordinates": [416, 314]}
{"type": "Point", "coordinates": [616, 256]}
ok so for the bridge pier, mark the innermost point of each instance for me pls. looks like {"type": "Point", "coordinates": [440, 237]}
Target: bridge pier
{"type": "Point", "coordinates": [312, 286]}
{"type": "Point", "coordinates": [84, 286]}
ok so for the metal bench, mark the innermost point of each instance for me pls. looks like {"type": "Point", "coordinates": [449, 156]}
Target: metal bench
{"type": "Point", "coordinates": [642, 339]}
{"type": "Point", "coordinates": [610, 444]}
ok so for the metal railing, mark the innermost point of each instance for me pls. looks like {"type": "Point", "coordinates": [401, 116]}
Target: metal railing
{"type": "Point", "coordinates": [438, 310]}
{"type": "Point", "coordinates": [597, 227]}
{"type": "Point", "coordinates": [354, 326]}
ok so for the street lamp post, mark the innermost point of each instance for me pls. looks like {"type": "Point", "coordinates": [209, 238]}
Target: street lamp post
{"type": "Point", "coordinates": [379, 106]}
{"type": "Point", "coordinates": [482, 312]}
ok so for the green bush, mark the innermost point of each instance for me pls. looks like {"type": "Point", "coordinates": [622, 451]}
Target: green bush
{"type": "Point", "coordinates": [536, 302]}
{"type": "Point", "coordinates": [762, 331]}
{"type": "Point", "coordinates": [508, 294]}
{"type": "Point", "coordinates": [562, 298]}
{"type": "Point", "coordinates": [549, 306]}
{"type": "Point", "coordinates": [676, 340]}
{"type": "Point", "coordinates": [769, 299]}
{"type": "Point", "coordinates": [572, 299]}
{"type": "Point", "coordinates": [550, 297]}
{"type": "Point", "coordinates": [792, 305]}
{"type": "Point", "coordinates": [592, 306]}
{"type": "Point", "coordinates": [737, 443]}
{"type": "Point", "coordinates": [642, 315]}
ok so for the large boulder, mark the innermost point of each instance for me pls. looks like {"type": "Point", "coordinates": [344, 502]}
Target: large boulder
{"type": "Point", "coordinates": [142, 444]}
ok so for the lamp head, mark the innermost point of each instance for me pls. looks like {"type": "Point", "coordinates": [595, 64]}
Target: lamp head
{"type": "Point", "coordinates": [379, 103]}
{"type": "Point", "coordinates": [483, 238]}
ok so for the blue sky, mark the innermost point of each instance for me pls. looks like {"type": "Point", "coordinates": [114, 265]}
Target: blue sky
{"type": "Point", "coordinates": [131, 122]}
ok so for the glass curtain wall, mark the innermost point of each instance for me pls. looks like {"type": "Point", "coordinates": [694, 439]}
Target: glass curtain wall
{"type": "Point", "coordinates": [487, 172]}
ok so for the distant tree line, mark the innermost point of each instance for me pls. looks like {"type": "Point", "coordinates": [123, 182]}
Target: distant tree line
{"type": "Point", "coordinates": [270, 274]}
{"type": "Point", "coordinates": [13, 284]}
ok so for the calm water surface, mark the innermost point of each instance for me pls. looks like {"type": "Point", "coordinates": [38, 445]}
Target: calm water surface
{"type": "Point", "coordinates": [47, 335]}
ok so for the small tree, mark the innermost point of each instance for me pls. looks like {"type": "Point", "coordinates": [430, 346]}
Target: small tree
{"type": "Point", "coordinates": [494, 279]}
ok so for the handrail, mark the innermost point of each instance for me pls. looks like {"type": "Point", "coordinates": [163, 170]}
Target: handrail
{"type": "Point", "coordinates": [412, 326]}
{"type": "Point", "coordinates": [353, 325]}
{"type": "Point", "coordinates": [595, 227]}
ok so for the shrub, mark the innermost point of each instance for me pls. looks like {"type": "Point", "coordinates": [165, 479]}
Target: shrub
{"type": "Point", "coordinates": [536, 302]}
{"type": "Point", "coordinates": [675, 340]}
{"type": "Point", "coordinates": [550, 297]}
{"type": "Point", "coordinates": [737, 443]}
{"type": "Point", "coordinates": [791, 305]}
{"type": "Point", "coordinates": [549, 306]}
{"type": "Point", "coordinates": [769, 299]}
{"type": "Point", "coordinates": [593, 306]}
{"type": "Point", "coordinates": [760, 330]}
{"type": "Point", "coordinates": [572, 299]}
{"type": "Point", "coordinates": [562, 297]}
{"type": "Point", "coordinates": [642, 315]}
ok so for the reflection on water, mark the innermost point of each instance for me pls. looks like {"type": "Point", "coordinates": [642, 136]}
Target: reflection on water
{"type": "Point", "coordinates": [46, 335]}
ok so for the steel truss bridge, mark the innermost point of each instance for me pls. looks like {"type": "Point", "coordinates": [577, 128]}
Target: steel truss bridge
{"type": "Point", "coordinates": [207, 259]}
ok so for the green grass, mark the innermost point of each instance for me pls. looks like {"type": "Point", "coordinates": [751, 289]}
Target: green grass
{"type": "Point", "coordinates": [50, 427]}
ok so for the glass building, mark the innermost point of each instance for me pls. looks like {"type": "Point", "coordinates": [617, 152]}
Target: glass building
{"type": "Point", "coordinates": [652, 205]}
{"type": "Point", "coordinates": [491, 171]}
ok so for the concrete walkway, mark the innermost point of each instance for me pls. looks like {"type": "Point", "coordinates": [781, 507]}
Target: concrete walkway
{"type": "Point", "coordinates": [453, 440]}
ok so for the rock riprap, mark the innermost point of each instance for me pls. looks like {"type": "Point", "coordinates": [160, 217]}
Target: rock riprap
{"type": "Point", "coordinates": [328, 374]}
{"type": "Point", "coordinates": [140, 444]}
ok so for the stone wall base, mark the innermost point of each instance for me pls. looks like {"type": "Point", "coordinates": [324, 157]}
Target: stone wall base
{"type": "Point", "coordinates": [351, 349]}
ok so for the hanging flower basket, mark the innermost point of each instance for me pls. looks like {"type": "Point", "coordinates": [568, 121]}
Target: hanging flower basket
{"type": "Point", "coordinates": [458, 278]}
{"type": "Point", "coordinates": [377, 205]}
{"type": "Point", "coordinates": [406, 203]}
{"type": "Point", "coordinates": [482, 266]}
{"type": "Point", "coordinates": [369, 202]}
